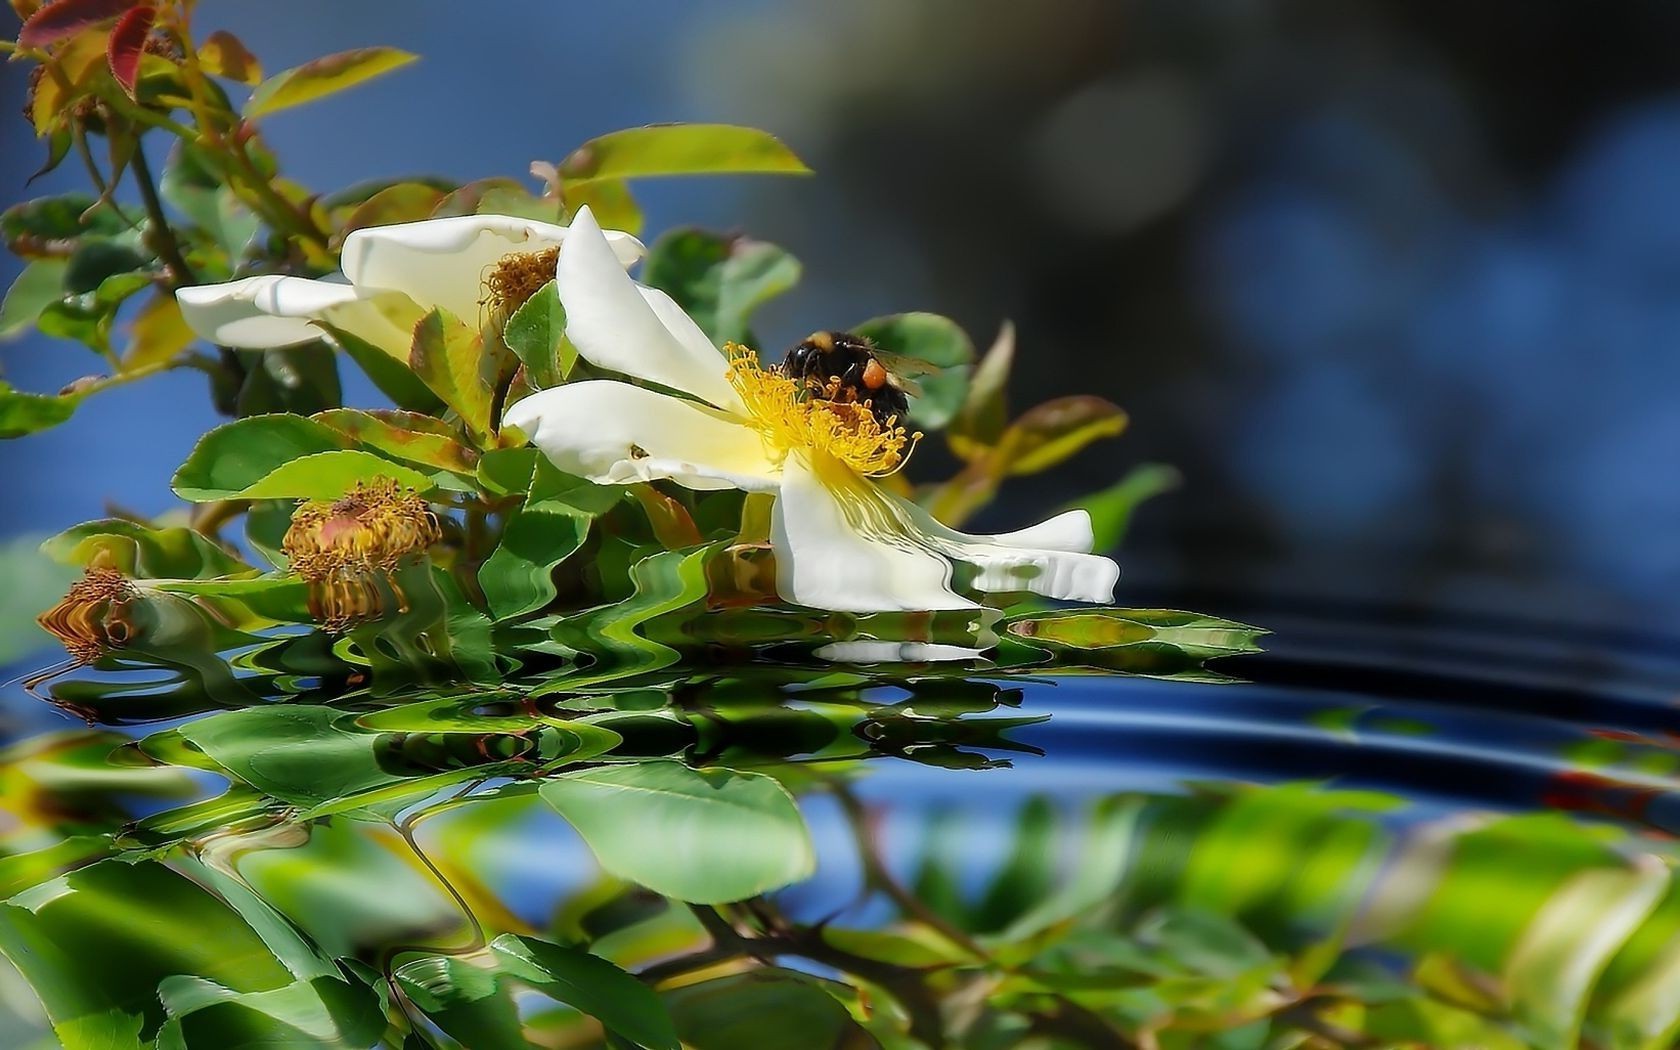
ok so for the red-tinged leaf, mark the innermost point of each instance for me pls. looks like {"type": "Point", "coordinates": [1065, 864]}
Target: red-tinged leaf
{"type": "Point", "coordinates": [64, 18]}
{"type": "Point", "coordinates": [127, 43]}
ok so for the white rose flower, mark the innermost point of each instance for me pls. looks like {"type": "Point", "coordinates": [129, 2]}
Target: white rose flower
{"type": "Point", "coordinates": [390, 273]}
{"type": "Point", "coordinates": [841, 540]}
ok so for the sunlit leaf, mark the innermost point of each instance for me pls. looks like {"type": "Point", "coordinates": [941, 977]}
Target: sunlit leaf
{"type": "Point", "coordinates": [143, 552]}
{"type": "Point", "coordinates": [41, 282]}
{"type": "Point", "coordinates": [984, 415]}
{"type": "Point", "coordinates": [329, 475]}
{"type": "Point", "coordinates": [1049, 433]}
{"type": "Point", "coordinates": [235, 456]}
{"type": "Point", "coordinates": [706, 835]}
{"type": "Point", "coordinates": [719, 280]}
{"type": "Point", "coordinates": [680, 149]}
{"type": "Point", "coordinates": [450, 358]}
{"type": "Point", "coordinates": [409, 437]}
{"type": "Point", "coordinates": [322, 77]}
{"type": "Point", "coordinates": [159, 334]}
{"type": "Point", "coordinates": [402, 202]}
{"type": "Point", "coordinates": [81, 62]}
{"type": "Point", "coordinates": [536, 333]}
{"type": "Point", "coordinates": [22, 413]}
{"type": "Point", "coordinates": [96, 969]}
{"type": "Point", "coordinates": [224, 55]}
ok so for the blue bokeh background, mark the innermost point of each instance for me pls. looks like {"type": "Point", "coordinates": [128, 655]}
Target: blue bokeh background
{"type": "Point", "coordinates": [1395, 285]}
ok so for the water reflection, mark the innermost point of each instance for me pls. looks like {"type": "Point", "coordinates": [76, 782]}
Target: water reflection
{"type": "Point", "coordinates": [1082, 837]}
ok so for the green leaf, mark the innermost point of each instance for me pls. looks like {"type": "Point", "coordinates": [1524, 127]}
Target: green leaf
{"type": "Point", "coordinates": [624, 1005]}
{"type": "Point", "coordinates": [329, 475]}
{"type": "Point", "coordinates": [536, 333]}
{"type": "Point", "coordinates": [98, 260]}
{"type": "Point", "coordinates": [719, 280]}
{"type": "Point", "coordinates": [142, 552]}
{"type": "Point", "coordinates": [22, 413]}
{"type": "Point", "coordinates": [766, 1009]}
{"type": "Point", "coordinates": [40, 283]}
{"type": "Point", "coordinates": [985, 411]}
{"type": "Point", "coordinates": [402, 202]}
{"type": "Point", "coordinates": [939, 342]}
{"type": "Point", "coordinates": [407, 436]}
{"type": "Point", "coordinates": [705, 836]}
{"type": "Point", "coordinates": [324, 1012]}
{"type": "Point", "coordinates": [466, 998]}
{"type": "Point", "coordinates": [1552, 970]}
{"type": "Point", "coordinates": [680, 149]}
{"type": "Point", "coordinates": [450, 358]}
{"type": "Point", "coordinates": [554, 521]}
{"type": "Point", "coordinates": [95, 957]}
{"type": "Point", "coordinates": [1111, 509]}
{"type": "Point", "coordinates": [194, 185]}
{"type": "Point", "coordinates": [1049, 433]}
{"type": "Point", "coordinates": [322, 77]}
{"type": "Point", "coordinates": [237, 455]}
{"type": "Point", "coordinates": [158, 335]}
{"type": "Point", "coordinates": [38, 223]}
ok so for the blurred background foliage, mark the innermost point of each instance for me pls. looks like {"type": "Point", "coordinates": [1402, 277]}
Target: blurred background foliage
{"type": "Point", "coordinates": [1391, 284]}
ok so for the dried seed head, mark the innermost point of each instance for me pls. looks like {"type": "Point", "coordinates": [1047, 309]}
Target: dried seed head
{"type": "Point", "coordinates": [370, 529]}
{"type": "Point", "coordinates": [93, 618]}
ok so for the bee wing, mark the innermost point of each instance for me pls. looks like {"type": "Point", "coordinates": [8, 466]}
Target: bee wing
{"type": "Point", "coordinates": [902, 366]}
{"type": "Point", "coordinates": [911, 387]}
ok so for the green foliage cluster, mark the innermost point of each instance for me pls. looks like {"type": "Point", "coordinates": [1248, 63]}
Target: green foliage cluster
{"type": "Point", "coordinates": [116, 79]}
{"type": "Point", "coordinates": [409, 867]}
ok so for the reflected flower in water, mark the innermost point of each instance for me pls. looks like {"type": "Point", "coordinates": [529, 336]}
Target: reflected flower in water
{"type": "Point", "coordinates": [92, 619]}
{"type": "Point", "coordinates": [462, 264]}
{"type": "Point", "coordinates": [842, 541]}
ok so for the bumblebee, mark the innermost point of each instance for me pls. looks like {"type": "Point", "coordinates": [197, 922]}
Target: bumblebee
{"type": "Point", "coordinates": [840, 366]}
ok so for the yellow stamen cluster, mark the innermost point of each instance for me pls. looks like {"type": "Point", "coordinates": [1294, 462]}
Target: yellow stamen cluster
{"type": "Point", "coordinates": [793, 414]}
{"type": "Point", "coordinates": [93, 617]}
{"type": "Point", "coordinates": [515, 277]}
{"type": "Point", "coordinates": [372, 528]}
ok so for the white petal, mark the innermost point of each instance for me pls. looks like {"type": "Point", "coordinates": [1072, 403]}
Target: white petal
{"type": "Point", "coordinates": [840, 545]}
{"type": "Point", "coordinates": [1068, 531]}
{"type": "Point", "coordinates": [640, 332]}
{"type": "Point", "coordinates": [614, 433]}
{"type": "Point", "coordinates": [875, 651]}
{"type": "Point", "coordinates": [1051, 558]}
{"type": "Point", "coordinates": [443, 262]}
{"type": "Point", "coordinates": [842, 542]}
{"type": "Point", "coordinates": [258, 313]}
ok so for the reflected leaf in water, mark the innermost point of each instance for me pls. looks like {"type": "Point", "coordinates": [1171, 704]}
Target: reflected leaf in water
{"type": "Point", "coordinates": [666, 821]}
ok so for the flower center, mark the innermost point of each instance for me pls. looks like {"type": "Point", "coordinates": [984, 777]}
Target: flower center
{"type": "Point", "coordinates": [517, 276]}
{"type": "Point", "coordinates": [797, 414]}
{"type": "Point", "coordinates": [372, 528]}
